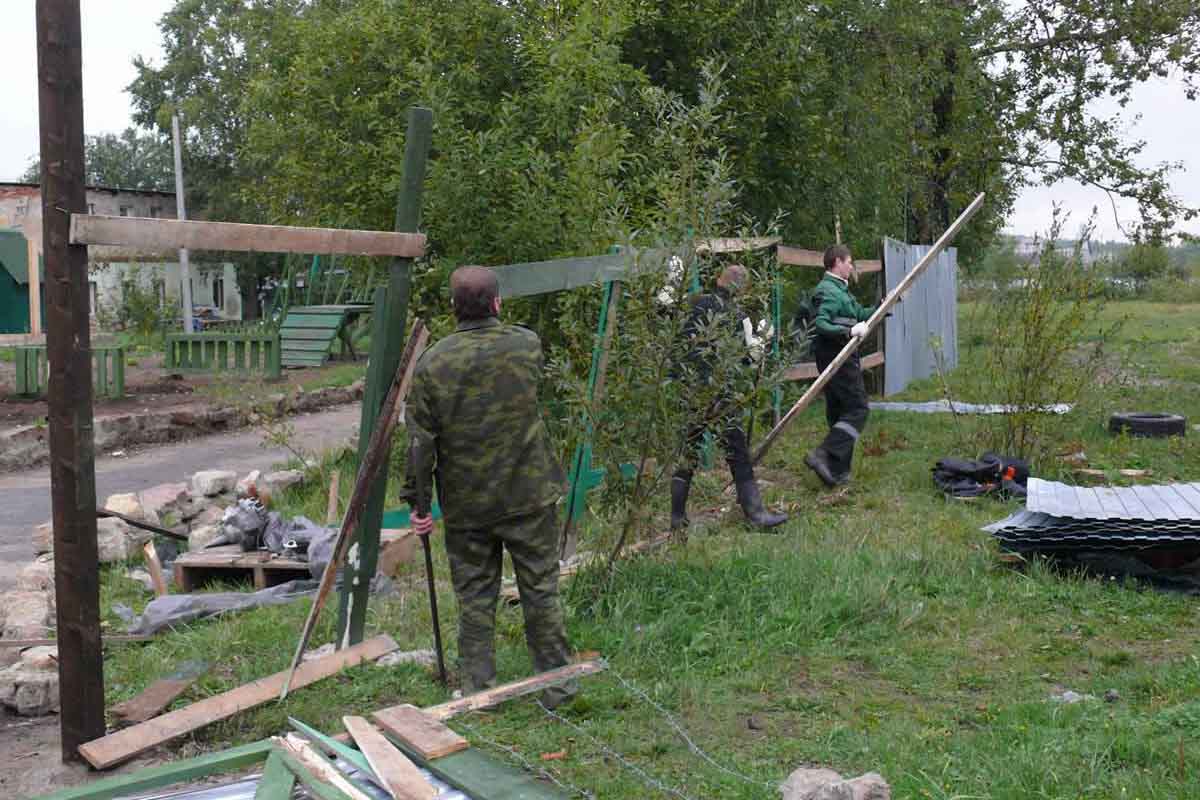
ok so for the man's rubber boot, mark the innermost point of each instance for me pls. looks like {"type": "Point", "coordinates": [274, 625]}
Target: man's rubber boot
{"type": "Point", "coordinates": [681, 485]}
{"type": "Point", "coordinates": [819, 463]}
{"type": "Point", "coordinates": [752, 504]}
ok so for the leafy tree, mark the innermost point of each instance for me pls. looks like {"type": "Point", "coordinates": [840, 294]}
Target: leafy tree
{"type": "Point", "coordinates": [130, 160]}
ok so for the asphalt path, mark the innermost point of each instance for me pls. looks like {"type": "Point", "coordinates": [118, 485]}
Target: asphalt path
{"type": "Point", "coordinates": [25, 496]}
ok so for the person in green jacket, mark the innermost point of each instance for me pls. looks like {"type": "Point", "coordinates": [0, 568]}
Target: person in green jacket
{"type": "Point", "coordinates": [475, 427]}
{"type": "Point", "coordinates": [839, 317]}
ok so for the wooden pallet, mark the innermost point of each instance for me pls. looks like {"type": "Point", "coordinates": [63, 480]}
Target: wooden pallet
{"type": "Point", "coordinates": [228, 562]}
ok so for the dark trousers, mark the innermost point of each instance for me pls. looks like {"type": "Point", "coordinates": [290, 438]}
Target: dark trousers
{"type": "Point", "coordinates": [846, 409]}
{"type": "Point", "coordinates": [733, 441]}
{"type": "Point", "coordinates": [476, 561]}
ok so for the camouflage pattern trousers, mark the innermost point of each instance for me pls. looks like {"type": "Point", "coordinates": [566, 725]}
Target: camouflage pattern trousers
{"type": "Point", "coordinates": [476, 561]}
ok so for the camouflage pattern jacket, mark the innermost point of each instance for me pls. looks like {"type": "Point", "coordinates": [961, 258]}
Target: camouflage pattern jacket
{"type": "Point", "coordinates": [474, 421]}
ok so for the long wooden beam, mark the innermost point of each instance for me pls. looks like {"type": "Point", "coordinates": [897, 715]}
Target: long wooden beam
{"type": "Point", "coordinates": [808, 371]}
{"type": "Point", "coordinates": [171, 234]}
{"type": "Point", "coordinates": [799, 257]}
{"type": "Point", "coordinates": [880, 313]}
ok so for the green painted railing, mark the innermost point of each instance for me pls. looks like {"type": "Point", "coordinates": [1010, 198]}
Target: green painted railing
{"type": "Point", "coordinates": [108, 370]}
{"type": "Point", "coordinates": [223, 352]}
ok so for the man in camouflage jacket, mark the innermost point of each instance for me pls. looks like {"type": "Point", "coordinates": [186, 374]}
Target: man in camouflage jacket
{"type": "Point", "coordinates": [839, 317]}
{"type": "Point", "coordinates": [475, 426]}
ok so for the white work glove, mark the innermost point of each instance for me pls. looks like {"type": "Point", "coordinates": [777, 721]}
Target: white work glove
{"type": "Point", "coordinates": [859, 330]}
{"type": "Point", "coordinates": [753, 343]}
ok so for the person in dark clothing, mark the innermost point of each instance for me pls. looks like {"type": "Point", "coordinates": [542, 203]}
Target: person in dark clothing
{"type": "Point", "coordinates": [839, 317]}
{"type": "Point", "coordinates": [719, 308]}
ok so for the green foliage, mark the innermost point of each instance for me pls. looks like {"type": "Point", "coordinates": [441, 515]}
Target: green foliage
{"type": "Point", "coordinates": [141, 309]}
{"type": "Point", "coordinates": [1143, 263]}
{"type": "Point", "coordinates": [129, 160]}
{"type": "Point", "coordinates": [1041, 347]}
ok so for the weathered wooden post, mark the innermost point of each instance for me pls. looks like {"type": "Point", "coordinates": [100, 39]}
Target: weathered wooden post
{"type": "Point", "coordinates": [385, 356]}
{"type": "Point", "coordinates": [68, 347]}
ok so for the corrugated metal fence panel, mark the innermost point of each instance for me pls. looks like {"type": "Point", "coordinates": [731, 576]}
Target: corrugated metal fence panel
{"type": "Point", "coordinates": [928, 312]}
{"type": "Point", "coordinates": [1175, 502]}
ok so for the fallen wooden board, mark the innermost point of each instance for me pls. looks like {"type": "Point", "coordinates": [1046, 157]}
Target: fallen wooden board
{"type": "Point", "coordinates": [420, 731]}
{"type": "Point", "coordinates": [478, 774]}
{"type": "Point", "coordinates": [316, 787]}
{"type": "Point", "coordinates": [399, 776]}
{"type": "Point", "coordinates": [158, 695]}
{"type": "Point", "coordinates": [339, 747]}
{"type": "Point", "coordinates": [110, 750]}
{"type": "Point", "coordinates": [509, 691]}
{"type": "Point", "coordinates": [171, 234]}
{"type": "Point", "coordinates": [166, 774]}
{"type": "Point", "coordinates": [315, 763]}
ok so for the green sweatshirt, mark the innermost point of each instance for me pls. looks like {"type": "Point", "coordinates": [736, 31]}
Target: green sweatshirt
{"type": "Point", "coordinates": [833, 303]}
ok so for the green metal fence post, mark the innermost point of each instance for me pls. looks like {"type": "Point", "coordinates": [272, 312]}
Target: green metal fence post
{"type": "Point", "coordinates": [386, 350]}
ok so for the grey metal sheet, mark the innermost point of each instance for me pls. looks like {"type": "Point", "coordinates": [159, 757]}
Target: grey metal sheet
{"type": "Point", "coordinates": [1190, 492]}
{"type": "Point", "coordinates": [929, 312]}
{"type": "Point", "coordinates": [1158, 503]}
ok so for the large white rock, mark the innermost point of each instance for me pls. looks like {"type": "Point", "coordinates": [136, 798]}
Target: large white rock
{"type": "Point", "coordinates": [158, 500]}
{"type": "Point", "coordinates": [43, 657]}
{"type": "Point", "coordinates": [214, 481]}
{"type": "Point", "coordinates": [275, 483]}
{"type": "Point", "coordinates": [43, 538]}
{"type": "Point", "coordinates": [29, 691]}
{"type": "Point", "coordinates": [26, 614]}
{"type": "Point", "coordinates": [38, 575]}
{"type": "Point", "coordinates": [116, 541]}
{"type": "Point", "coordinates": [825, 784]}
{"type": "Point", "coordinates": [200, 537]}
{"type": "Point", "coordinates": [130, 506]}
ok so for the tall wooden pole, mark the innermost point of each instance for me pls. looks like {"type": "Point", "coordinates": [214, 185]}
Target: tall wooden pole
{"type": "Point", "coordinates": [72, 458]}
{"type": "Point", "coordinates": [386, 350]}
{"type": "Point", "coordinates": [185, 273]}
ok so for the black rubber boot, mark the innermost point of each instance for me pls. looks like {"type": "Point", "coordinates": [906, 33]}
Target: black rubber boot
{"type": "Point", "coordinates": [818, 462]}
{"type": "Point", "coordinates": [751, 503]}
{"type": "Point", "coordinates": [681, 484]}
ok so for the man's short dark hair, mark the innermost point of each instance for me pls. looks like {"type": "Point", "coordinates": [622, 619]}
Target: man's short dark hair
{"type": "Point", "coordinates": [472, 291]}
{"type": "Point", "coordinates": [835, 253]}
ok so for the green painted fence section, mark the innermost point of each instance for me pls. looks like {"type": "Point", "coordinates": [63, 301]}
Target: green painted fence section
{"type": "Point", "coordinates": [223, 352]}
{"type": "Point", "coordinates": [108, 371]}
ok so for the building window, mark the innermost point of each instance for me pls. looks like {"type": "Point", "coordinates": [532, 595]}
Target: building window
{"type": "Point", "coordinates": [155, 211]}
{"type": "Point", "coordinates": [92, 290]}
{"type": "Point", "coordinates": [218, 292]}
{"type": "Point", "coordinates": [124, 211]}
{"type": "Point", "coordinates": [91, 208]}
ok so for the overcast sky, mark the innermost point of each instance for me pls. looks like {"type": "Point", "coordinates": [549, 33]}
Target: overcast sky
{"type": "Point", "coordinates": [114, 31]}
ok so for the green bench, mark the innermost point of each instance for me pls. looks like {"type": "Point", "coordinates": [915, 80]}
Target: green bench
{"type": "Point", "coordinates": [308, 332]}
{"type": "Point", "coordinates": [108, 370]}
{"type": "Point", "coordinates": [223, 352]}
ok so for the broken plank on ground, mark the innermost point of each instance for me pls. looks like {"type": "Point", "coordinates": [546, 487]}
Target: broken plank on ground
{"type": "Point", "coordinates": [115, 748]}
{"type": "Point", "coordinates": [399, 776]}
{"type": "Point", "coordinates": [509, 691]}
{"type": "Point", "coordinates": [157, 696]}
{"type": "Point", "coordinates": [420, 731]}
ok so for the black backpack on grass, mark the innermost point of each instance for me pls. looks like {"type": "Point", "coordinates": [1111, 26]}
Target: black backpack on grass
{"type": "Point", "coordinates": [992, 475]}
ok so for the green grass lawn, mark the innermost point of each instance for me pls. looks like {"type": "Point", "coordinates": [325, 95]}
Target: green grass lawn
{"type": "Point", "coordinates": [876, 631]}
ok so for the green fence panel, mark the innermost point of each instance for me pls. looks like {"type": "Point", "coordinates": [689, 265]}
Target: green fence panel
{"type": "Point", "coordinates": [219, 351]}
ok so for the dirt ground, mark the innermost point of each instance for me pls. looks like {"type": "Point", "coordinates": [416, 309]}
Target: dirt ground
{"type": "Point", "coordinates": [146, 386]}
{"type": "Point", "coordinates": [31, 760]}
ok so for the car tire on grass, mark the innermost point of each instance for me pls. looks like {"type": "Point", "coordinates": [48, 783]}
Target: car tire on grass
{"type": "Point", "coordinates": [1145, 424]}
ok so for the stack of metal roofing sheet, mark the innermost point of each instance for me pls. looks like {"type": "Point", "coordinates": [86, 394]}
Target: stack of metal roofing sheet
{"type": "Point", "coordinates": [1062, 517]}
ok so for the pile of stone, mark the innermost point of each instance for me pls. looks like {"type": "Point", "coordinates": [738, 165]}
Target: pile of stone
{"type": "Point", "coordinates": [28, 612]}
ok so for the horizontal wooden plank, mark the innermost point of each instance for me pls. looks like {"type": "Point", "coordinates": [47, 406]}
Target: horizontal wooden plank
{"type": "Point", "coordinates": [428, 736]}
{"type": "Point", "coordinates": [306, 334]}
{"type": "Point", "coordinates": [799, 257]}
{"type": "Point", "coordinates": [172, 234]}
{"type": "Point", "coordinates": [305, 345]}
{"type": "Point", "coordinates": [736, 245]}
{"type": "Point", "coordinates": [500, 694]}
{"type": "Point", "coordinates": [809, 372]}
{"type": "Point", "coordinates": [110, 750]}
